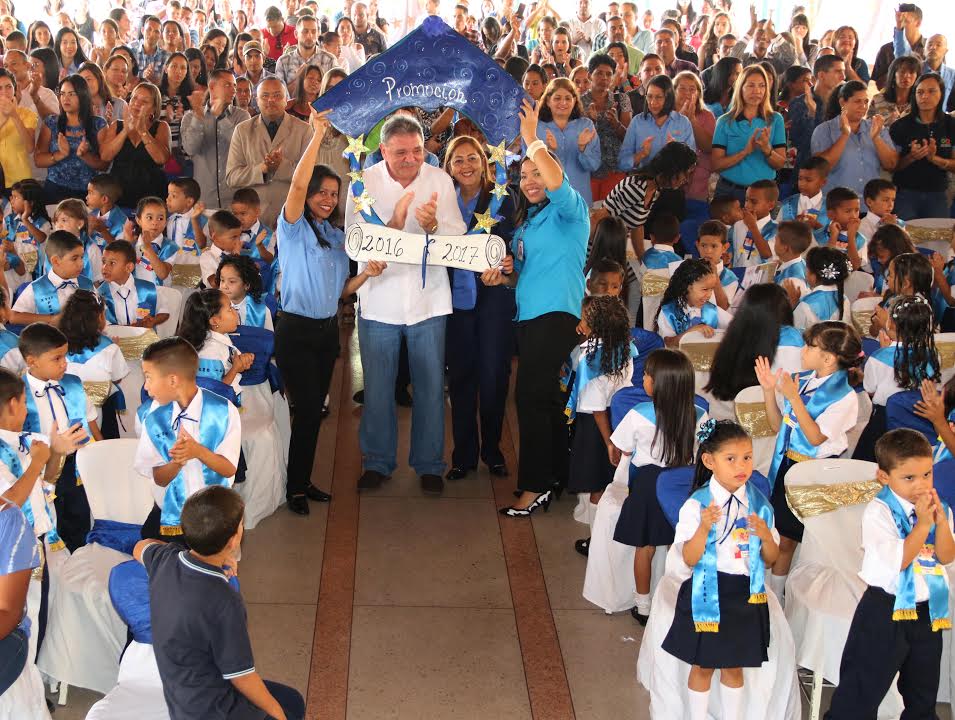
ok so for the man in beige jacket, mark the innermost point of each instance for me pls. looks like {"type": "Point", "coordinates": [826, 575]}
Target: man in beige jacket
{"type": "Point", "coordinates": [266, 148]}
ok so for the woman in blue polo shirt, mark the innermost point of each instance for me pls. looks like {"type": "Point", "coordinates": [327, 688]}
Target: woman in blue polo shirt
{"type": "Point", "coordinates": [19, 554]}
{"type": "Point", "coordinates": [749, 142]}
{"type": "Point", "coordinates": [550, 245]}
{"type": "Point", "coordinates": [314, 267]}
{"type": "Point", "coordinates": [657, 125]}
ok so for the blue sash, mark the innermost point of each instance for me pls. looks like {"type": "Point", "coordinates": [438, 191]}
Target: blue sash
{"type": "Point", "coordinates": [255, 312]}
{"type": "Point", "coordinates": [11, 459]}
{"type": "Point", "coordinates": [585, 371]}
{"type": "Point", "coordinates": [789, 208]}
{"type": "Point", "coordinates": [73, 398]}
{"type": "Point", "coordinates": [768, 232]}
{"type": "Point", "coordinates": [145, 300]}
{"type": "Point", "coordinates": [211, 368]}
{"type": "Point", "coordinates": [45, 297]}
{"type": "Point", "coordinates": [796, 271]}
{"type": "Point", "coordinates": [8, 341]}
{"type": "Point", "coordinates": [728, 277]}
{"type": "Point", "coordinates": [84, 355]}
{"type": "Point", "coordinates": [822, 303]}
{"type": "Point", "coordinates": [790, 337]}
{"type": "Point", "coordinates": [654, 259]}
{"type": "Point", "coordinates": [861, 241]}
{"type": "Point", "coordinates": [115, 220]}
{"type": "Point", "coordinates": [790, 439]}
{"type": "Point", "coordinates": [213, 425]}
{"type": "Point", "coordinates": [705, 597]}
{"type": "Point", "coordinates": [886, 356]}
{"type": "Point", "coordinates": [250, 248]}
{"type": "Point", "coordinates": [681, 322]}
{"type": "Point", "coordinates": [925, 565]}
{"type": "Point", "coordinates": [165, 250]}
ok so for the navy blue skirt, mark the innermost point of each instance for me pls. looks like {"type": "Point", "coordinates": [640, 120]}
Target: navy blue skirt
{"type": "Point", "coordinates": [590, 468]}
{"type": "Point", "coordinates": [743, 637]}
{"type": "Point", "coordinates": [642, 522]}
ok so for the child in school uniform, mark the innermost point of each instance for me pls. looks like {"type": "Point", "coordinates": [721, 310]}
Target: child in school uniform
{"type": "Point", "coordinates": [258, 240]}
{"type": "Point", "coordinates": [185, 224]}
{"type": "Point", "coordinates": [43, 299]}
{"type": "Point", "coordinates": [906, 274]}
{"type": "Point", "coordinates": [713, 245]}
{"type": "Point", "coordinates": [127, 299]}
{"type": "Point", "coordinates": [57, 404]}
{"type": "Point", "coordinates": [887, 242]}
{"type": "Point", "coordinates": [907, 356]}
{"type": "Point", "coordinates": [238, 277]}
{"type": "Point", "coordinates": [26, 226]}
{"type": "Point", "coordinates": [662, 258]}
{"type": "Point", "coordinates": [818, 408]}
{"type": "Point", "coordinates": [686, 305]}
{"type": "Point", "coordinates": [842, 233]}
{"type": "Point", "coordinates": [939, 409]}
{"type": "Point", "coordinates": [879, 197]}
{"type": "Point", "coordinates": [753, 235]}
{"type": "Point", "coordinates": [106, 219]}
{"type": "Point", "coordinates": [793, 239]}
{"type": "Point", "coordinates": [206, 323]}
{"type": "Point", "coordinates": [826, 273]}
{"type": "Point", "coordinates": [808, 205]}
{"type": "Point", "coordinates": [10, 357]}
{"type": "Point", "coordinates": [224, 232]}
{"type": "Point", "coordinates": [728, 211]}
{"type": "Point", "coordinates": [155, 251]}
{"type": "Point", "coordinates": [71, 215]}
{"type": "Point", "coordinates": [93, 357]}
{"type": "Point", "coordinates": [190, 438]}
{"type": "Point", "coordinates": [907, 539]}
{"type": "Point", "coordinates": [601, 365]}
{"type": "Point", "coordinates": [654, 436]}
{"type": "Point", "coordinates": [725, 534]}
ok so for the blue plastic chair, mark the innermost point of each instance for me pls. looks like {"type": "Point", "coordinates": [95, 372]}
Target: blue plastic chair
{"type": "Point", "coordinates": [673, 488]}
{"type": "Point", "coordinates": [945, 481]}
{"type": "Point", "coordinates": [899, 414]}
{"type": "Point", "coordinates": [646, 341]}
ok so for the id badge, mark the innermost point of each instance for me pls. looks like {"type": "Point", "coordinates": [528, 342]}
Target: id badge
{"type": "Point", "coordinates": [741, 538]}
{"type": "Point", "coordinates": [925, 563]}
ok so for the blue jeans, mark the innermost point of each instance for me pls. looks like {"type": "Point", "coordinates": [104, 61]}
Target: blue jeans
{"type": "Point", "coordinates": [912, 204]}
{"type": "Point", "coordinates": [378, 434]}
{"type": "Point", "coordinates": [293, 705]}
{"type": "Point", "coordinates": [13, 658]}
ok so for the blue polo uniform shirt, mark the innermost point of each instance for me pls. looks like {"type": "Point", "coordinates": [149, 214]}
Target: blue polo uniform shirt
{"type": "Point", "coordinates": [312, 276]}
{"type": "Point", "coordinates": [732, 134]}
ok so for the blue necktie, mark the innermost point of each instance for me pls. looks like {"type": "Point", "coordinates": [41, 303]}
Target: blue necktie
{"type": "Point", "coordinates": [125, 304]}
{"type": "Point", "coordinates": [729, 525]}
{"type": "Point", "coordinates": [23, 442]}
{"type": "Point", "coordinates": [177, 422]}
{"type": "Point", "coordinates": [67, 284]}
{"type": "Point", "coordinates": [54, 388]}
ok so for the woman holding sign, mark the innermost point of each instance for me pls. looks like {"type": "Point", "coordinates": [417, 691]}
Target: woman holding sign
{"type": "Point", "coordinates": [314, 276]}
{"type": "Point", "coordinates": [550, 246]}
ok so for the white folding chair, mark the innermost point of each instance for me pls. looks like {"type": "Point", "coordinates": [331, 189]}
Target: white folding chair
{"type": "Point", "coordinates": [862, 419]}
{"type": "Point", "coordinates": [138, 693]}
{"type": "Point", "coordinates": [945, 342]}
{"type": "Point", "coordinates": [857, 283]}
{"type": "Point", "coordinates": [751, 414]}
{"type": "Point", "coordinates": [932, 233]}
{"type": "Point", "coordinates": [172, 299]}
{"type": "Point", "coordinates": [84, 635]}
{"type": "Point", "coordinates": [652, 287]}
{"type": "Point", "coordinates": [701, 349]}
{"type": "Point", "coordinates": [862, 309]}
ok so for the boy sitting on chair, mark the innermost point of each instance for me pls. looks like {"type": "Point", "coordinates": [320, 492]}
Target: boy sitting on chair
{"type": "Point", "coordinates": [43, 299]}
{"type": "Point", "coordinates": [128, 299]}
{"type": "Point", "coordinates": [190, 437]}
{"type": "Point", "coordinates": [199, 628]}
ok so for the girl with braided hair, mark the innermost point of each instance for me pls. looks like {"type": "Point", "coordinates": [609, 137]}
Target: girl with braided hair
{"type": "Point", "coordinates": [826, 273]}
{"type": "Point", "coordinates": [602, 364]}
{"type": "Point", "coordinates": [907, 357]}
{"type": "Point", "coordinates": [687, 304]}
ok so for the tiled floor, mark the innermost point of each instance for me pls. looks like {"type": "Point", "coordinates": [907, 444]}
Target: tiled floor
{"type": "Point", "coordinates": [428, 608]}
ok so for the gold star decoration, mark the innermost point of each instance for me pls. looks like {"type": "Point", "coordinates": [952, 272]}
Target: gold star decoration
{"type": "Point", "coordinates": [499, 191]}
{"type": "Point", "coordinates": [357, 176]}
{"type": "Point", "coordinates": [485, 221]}
{"type": "Point", "coordinates": [498, 153]}
{"type": "Point", "coordinates": [356, 146]}
{"type": "Point", "coordinates": [363, 202]}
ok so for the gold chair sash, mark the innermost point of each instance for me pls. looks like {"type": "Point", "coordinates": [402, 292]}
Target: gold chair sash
{"type": "Point", "coordinates": [30, 259]}
{"type": "Point", "coordinates": [654, 284]}
{"type": "Point", "coordinates": [134, 347]}
{"type": "Point", "coordinates": [97, 391]}
{"type": "Point", "coordinates": [187, 276]}
{"type": "Point", "coordinates": [926, 234]}
{"type": "Point", "coordinates": [753, 418]}
{"type": "Point", "coordinates": [810, 500]}
{"type": "Point", "coordinates": [862, 319]}
{"type": "Point", "coordinates": [946, 354]}
{"type": "Point", "coordinates": [700, 354]}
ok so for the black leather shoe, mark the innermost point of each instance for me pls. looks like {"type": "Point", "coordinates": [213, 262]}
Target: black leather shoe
{"type": "Point", "coordinates": [456, 473]}
{"type": "Point", "coordinates": [583, 546]}
{"type": "Point", "coordinates": [640, 618]}
{"type": "Point", "coordinates": [370, 479]}
{"type": "Point", "coordinates": [313, 493]}
{"type": "Point", "coordinates": [432, 484]}
{"type": "Point", "coordinates": [498, 470]}
{"type": "Point", "coordinates": [298, 504]}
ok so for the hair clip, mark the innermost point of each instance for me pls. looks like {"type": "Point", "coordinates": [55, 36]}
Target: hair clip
{"type": "Point", "coordinates": [910, 301]}
{"type": "Point", "coordinates": [830, 272]}
{"type": "Point", "coordinates": [706, 430]}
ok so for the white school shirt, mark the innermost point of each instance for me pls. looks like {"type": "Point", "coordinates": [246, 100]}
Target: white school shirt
{"type": "Point", "coordinates": [38, 388]}
{"type": "Point", "coordinates": [37, 499]}
{"type": "Point", "coordinates": [729, 289]}
{"type": "Point", "coordinates": [219, 347]}
{"type": "Point", "coordinates": [798, 282]}
{"type": "Point", "coordinates": [869, 223]}
{"type": "Point", "coordinates": [739, 237]}
{"type": "Point", "coordinates": [882, 549]}
{"type": "Point", "coordinates": [209, 261]}
{"type": "Point", "coordinates": [396, 296]}
{"type": "Point", "coordinates": [148, 457]}
{"type": "Point", "coordinates": [723, 320]}
{"type": "Point", "coordinates": [595, 396]}
{"type": "Point", "coordinates": [106, 365]}
{"type": "Point", "coordinates": [634, 435]}
{"type": "Point", "coordinates": [670, 268]}
{"type": "Point", "coordinates": [805, 204]}
{"type": "Point", "coordinates": [126, 301]}
{"type": "Point", "coordinates": [141, 271]}
{"type": "Point", "coordinates": [834, 422]}
{"type": "Point", "coordinates": [242, 307]}
{"type": "Point", "coordinates": [27, 303]}
{"type": "Point", "coordinates": [879, 380]}
{"type": "Point", "coordinates": [732, 548]}
{"type": "Point", "coordinates": [253, 232]}
{"type": "Point", "coordinates": [804, 317]}
{"type": "Point", "coordinates": [95, 256]}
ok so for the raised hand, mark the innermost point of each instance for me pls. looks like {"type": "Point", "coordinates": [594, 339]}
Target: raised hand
{"type": "Point", "coordinates": [196, 102]}
{"type": "Point", "coordinates": [374, 268]}
{"type": "Point", "coordinates": [426, 214]}
{"type": "Point", "coordinates": [62, 145]}
{"type": "Point", "coordinates": [83, 147]}
{"type": "Point", "coordinates": [765, 376]}
{"type": "Point", "coordinates": [583, 140]}
{"type": "Point", "coordinates": [551, 141]}
{"type": "Point", "coordinates": [400, 216]}
{"type": "Point", "coordinates": [787, 386]}
{"type": "Point", "coordinates": [529, 120]}
{"type": "Point", "coordinates": [63, 443]}
{"type": "Point", "coordinates": [762, 140]}
{"type": "Point", "coordinates": [710, 515]}
{"type": "Point", "coordinates": [875, 126]}
{"type": "Point", "coordinates": [243, 361]}
{"type": "Point", "coordinates": [925, 509]}
{"type": "Point", "coordinates": [319, 122]}
{"type": "Point", "coordinates": [932, 405]}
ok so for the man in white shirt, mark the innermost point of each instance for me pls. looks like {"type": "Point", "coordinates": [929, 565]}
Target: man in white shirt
{"type": "Point", "coordinates": [420, 199]}
{"type": "Point", "coordinates": [583, 28]}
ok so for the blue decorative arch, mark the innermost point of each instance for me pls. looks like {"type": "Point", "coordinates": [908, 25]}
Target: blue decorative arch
{"type": "Point", "coordinates": [432, 67]}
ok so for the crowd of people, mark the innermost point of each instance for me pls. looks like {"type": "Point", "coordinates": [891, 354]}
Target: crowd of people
{"type": "Point", "coordinates": [165, 176]}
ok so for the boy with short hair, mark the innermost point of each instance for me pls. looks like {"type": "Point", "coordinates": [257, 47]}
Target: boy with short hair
{"type": "Point", "coordinates": [71, 215]}
{"type": "Point", "coordinates": [728, 211]}
{"type": "Point", "coordinates": [43, 299]}
{"type": "Point", "coordinates": [128, 299]}
{"type": "Point", "coordinates": [793, 238]}
{"type": "Point", "coordinates": [57, 406]}
{"type": "Point", "coordinates": [199, 626]}
{"type": "Point", "coordinates": [186, 222]}
{"type": "Point", "coordinates": [907, 539]}
{"type": "Point", "coordinates": [879, 196]}
{"type": "Point", "coordinates": [225, 232]}
{"type": "Point", "coordinates": [753, 235]}
{"type": "Point", "coordinates": [842, 207]}
{"type": "Point", "coordinates": [807, 205]}
{"type": "Point", "coordinates": [712, 245]}
{"type": "Point", "coordinates": [258, 241]}
{"type": "Point", "coordinates": [664, 235]}
{"type": "Point", "coordinates": [190, 436]}
{"type": "Point", "coordinates": [607, 277]}
{"type": "Point", "coordinates": [102, 194]}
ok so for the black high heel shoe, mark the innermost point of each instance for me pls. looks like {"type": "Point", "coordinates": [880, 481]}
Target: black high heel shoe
{"type": "Point", "coordinates": [542, 501]}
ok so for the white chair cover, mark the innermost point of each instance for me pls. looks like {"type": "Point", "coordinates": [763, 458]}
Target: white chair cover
{"type": "Point", "coordinates": [172, 299]}
{"type": "Point", "coordinates": [25, 699]}
{"type": "Point", "coordinates": [138, 693]}
{"type": "Point", "coordinates": [265, 451]}
{"type": "Point", "coordinates": [84, 635]}
{"type": "Point", "coordinates": [857, 283]}
{"type": "Point", "coordinates": [651, 303]}
{"type": "Point", "coordinates": [862, 419]}
{"type": "Point", "coordinates": [770, 691]}
{"type": "Point", "coordinates": [700, 350]}
{"type": "Point", "coordinates": [746, 400]}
